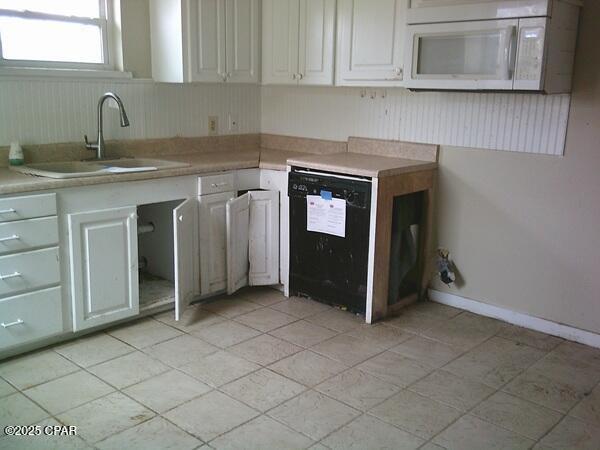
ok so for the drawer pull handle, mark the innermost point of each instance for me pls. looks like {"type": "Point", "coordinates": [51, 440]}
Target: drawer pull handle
{"type": "Point", "coordinates": [14, 237]}
{"type": "Point", "coordinates": [8, 211]}
{"type": "Point", "coordinates": [215, 185]}
{"type": "Point", "coordinates": [10, 275]}
{"type": "Point", "coordinates": [12, 324]}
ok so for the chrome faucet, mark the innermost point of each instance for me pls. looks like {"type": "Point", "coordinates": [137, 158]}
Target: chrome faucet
{"type": "Point", "coordinates": [99, 145]}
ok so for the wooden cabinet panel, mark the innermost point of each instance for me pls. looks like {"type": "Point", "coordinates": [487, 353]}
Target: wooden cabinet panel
{"type": "Point", "coordinates": [316, 42]}
{"type": "Point", "coordinates": [242, 24]}
{"type": "Point", "coordinates": [370, 42]}
{"type": "Point", "coordinates": [213, 242]}
{"type": "Point", "coordinates": [280, 41]}
{"type": "Point", "coordinates": [263, 237]}
{"type": "Point", "coordinates": [104, 266]}
{"type": "Point", "coordinates": [207, 40]}
{"type": "Point", "coordinates": [185, 227]}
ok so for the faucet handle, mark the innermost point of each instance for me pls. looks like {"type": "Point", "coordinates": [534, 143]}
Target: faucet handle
{"type": "Point", "coordinates": [87, 143]}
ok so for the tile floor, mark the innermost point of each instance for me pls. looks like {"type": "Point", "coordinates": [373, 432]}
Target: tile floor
{"type": "Point", "coordinates": [258, 371]}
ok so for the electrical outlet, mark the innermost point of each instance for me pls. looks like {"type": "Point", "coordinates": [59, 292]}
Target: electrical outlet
{"type": "Point", "coordinates": [233, 122]}
{"type": "Point", "coordinates": [213, 125]}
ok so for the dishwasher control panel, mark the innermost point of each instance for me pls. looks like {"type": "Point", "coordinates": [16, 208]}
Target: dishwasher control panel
{"type": "Point", "coordinates": [355, 190]}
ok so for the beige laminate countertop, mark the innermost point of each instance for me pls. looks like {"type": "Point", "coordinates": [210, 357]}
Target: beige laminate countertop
{"type": "Point", "coordinates": [361, 164]}
{"type": "Point", "coordinates": [350, 163]}
{"type": "Point", "coordinates": [14, 182]}
{"type": "Point", "coordinates": [278, 159]}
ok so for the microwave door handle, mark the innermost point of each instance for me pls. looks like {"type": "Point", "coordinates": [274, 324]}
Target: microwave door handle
{"type": "Point", "coordinates": [508, 58]}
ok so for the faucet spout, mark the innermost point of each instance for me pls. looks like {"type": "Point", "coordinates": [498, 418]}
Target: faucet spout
{"type": "Point", "coordinates": [99, 145]}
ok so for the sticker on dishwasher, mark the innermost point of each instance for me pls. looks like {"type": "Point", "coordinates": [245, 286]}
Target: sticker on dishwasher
{"type": "Point", "coordinates": [326, 216]}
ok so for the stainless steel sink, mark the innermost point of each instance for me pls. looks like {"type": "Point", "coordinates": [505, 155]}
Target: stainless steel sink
{"type": "Point", "coordinates": [78, 169]}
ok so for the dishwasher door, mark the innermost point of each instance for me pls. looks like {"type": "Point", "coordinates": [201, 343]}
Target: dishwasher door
{"type": "Point", "coordinates": [325, 267]}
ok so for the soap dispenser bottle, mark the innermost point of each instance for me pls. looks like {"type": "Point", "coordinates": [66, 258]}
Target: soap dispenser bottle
{"type": "Point", "coordinates": [15, 155]}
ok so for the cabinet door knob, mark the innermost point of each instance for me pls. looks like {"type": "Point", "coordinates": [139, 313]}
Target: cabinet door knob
{"type": "Point", "coordinates": [294, 76]}
{"type": "Point", "coordinates": [398, 72]}
{"type": "Point", "coordinates": [180, 218]}
{"type": "Point", "coordinates": [300, 76]}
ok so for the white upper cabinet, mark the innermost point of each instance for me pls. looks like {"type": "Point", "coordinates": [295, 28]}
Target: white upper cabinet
{"type": "Point", "coordinates": [370, 42]}
{"type": "Point", "coordinates": [298, 42]}
{"type": "Point", "coordinates": [281, 21]}
{"type": "Point", "coordinates": [242, 25]}
{"type": "Point", "coordinates": [205, 40]}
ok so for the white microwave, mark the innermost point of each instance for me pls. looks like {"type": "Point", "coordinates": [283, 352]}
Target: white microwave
{"type": "Point", "coordinates": [521, 54]}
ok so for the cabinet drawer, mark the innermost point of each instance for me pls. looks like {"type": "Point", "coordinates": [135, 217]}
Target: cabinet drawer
{"type": "Point", "coordinates": [26, 234]}
{"type": "Point", "coordinates": [29, 270]}
{"type": "Point", "coordinates": [214, 184]}
{"type": "Point", "coordinates": [30, 316]}
{"type": "Point", "coordinates": [18, 208]}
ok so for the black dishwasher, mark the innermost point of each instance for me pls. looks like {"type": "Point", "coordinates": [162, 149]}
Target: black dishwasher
{"type": "Point", "coordinates": [325, 267]}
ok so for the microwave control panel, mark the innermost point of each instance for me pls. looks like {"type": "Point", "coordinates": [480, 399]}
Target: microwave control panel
{"type": "Point", "coordinates": [530, 52]}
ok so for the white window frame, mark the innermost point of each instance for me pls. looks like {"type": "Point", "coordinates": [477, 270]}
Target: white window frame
{"type": "Point", "coordinates": [103, 21]}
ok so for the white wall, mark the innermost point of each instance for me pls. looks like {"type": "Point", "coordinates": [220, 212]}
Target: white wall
{"type": "Point", "coordinates": [531, 123]}
{"type": "Point", "coordinates": [42, 111]}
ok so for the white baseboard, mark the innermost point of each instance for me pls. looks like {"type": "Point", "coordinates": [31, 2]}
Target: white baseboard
{"type": "Point", "coordinates": [516, 318]}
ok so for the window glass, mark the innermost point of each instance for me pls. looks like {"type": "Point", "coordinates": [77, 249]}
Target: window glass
{"type": "Point", "coordinates": [46, 40]}
{"type": "Point", "coordinates": [80, 8]}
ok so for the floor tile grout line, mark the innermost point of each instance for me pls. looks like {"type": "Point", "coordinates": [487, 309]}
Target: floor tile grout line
{"type": "Point", "coordinates": [468, 412]}
{"type": "Point", "coordinates": [361, 413]}
{"type": "Point", "coordinates": [262, 366]}
{"type": "Point", "coordinates": [567, 413]}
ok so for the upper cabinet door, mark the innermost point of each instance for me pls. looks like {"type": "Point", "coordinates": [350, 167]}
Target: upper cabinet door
{"type": "Point", "coordinates": [242, 23]}
{"type": "Point", "coordinates": [280, 41]}
{"type": "Point", "coordinates": [185, 228]}
{"type": "Point", "coordinates": [370, 42]}
{"type": "Point", "coordinates": [264, 238]}
{"type": "Point", "coordinates": [316, 42]}
{"type": "Point", "coordinates": [103, 266]}
{"type": "Point", "coordinates": [207, 40]}
{"type": "Point", "coordinates": [238, 222]}
{"type": "Point", "coordinates": [213, 242]}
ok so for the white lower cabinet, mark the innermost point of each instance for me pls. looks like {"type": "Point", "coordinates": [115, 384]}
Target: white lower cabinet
{"type": "Point", "coordinates": [185, 226]}
{"type": "Point", "coordinates": [104, 266]}
{"type": "Point", "coordinates": [252, 240]}
{"type": "Point", "coordinates": [213, 242]}
{"type": "Point", "coordinates": [28, 317]}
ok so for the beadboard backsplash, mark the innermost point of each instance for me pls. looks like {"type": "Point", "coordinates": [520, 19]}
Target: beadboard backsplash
{"type": "Point", "coordinates": [531, 123]}
{"type": "Point", "coordinates": [42, 111]}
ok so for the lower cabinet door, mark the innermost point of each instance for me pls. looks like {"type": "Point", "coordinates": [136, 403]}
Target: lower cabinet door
{"type": "Point", "coordinates": [29, 317]}
{"type": "Point", "coordinates": [104, 266]}
{"type": "Point", "coordinates": [185, 226]}
{"type": "Point", "coordinates": [213, 242]}
{"type": "Point", "coordinates": [252, 240]}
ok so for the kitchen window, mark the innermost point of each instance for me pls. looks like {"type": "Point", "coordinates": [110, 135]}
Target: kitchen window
{"type": "Point", "coordinates": [58, 34]}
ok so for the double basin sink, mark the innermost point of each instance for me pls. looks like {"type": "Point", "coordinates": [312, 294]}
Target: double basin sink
{"type": "Point", "coordinates": [78, 169]}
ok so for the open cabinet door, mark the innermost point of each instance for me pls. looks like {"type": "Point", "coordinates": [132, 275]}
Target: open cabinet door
{"type": "Point", "coordinates": [238, 221]}
{"type": "Point", "coordinates": [264, 238]}
{"type": "Point", "coordinates": [185, 220]}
